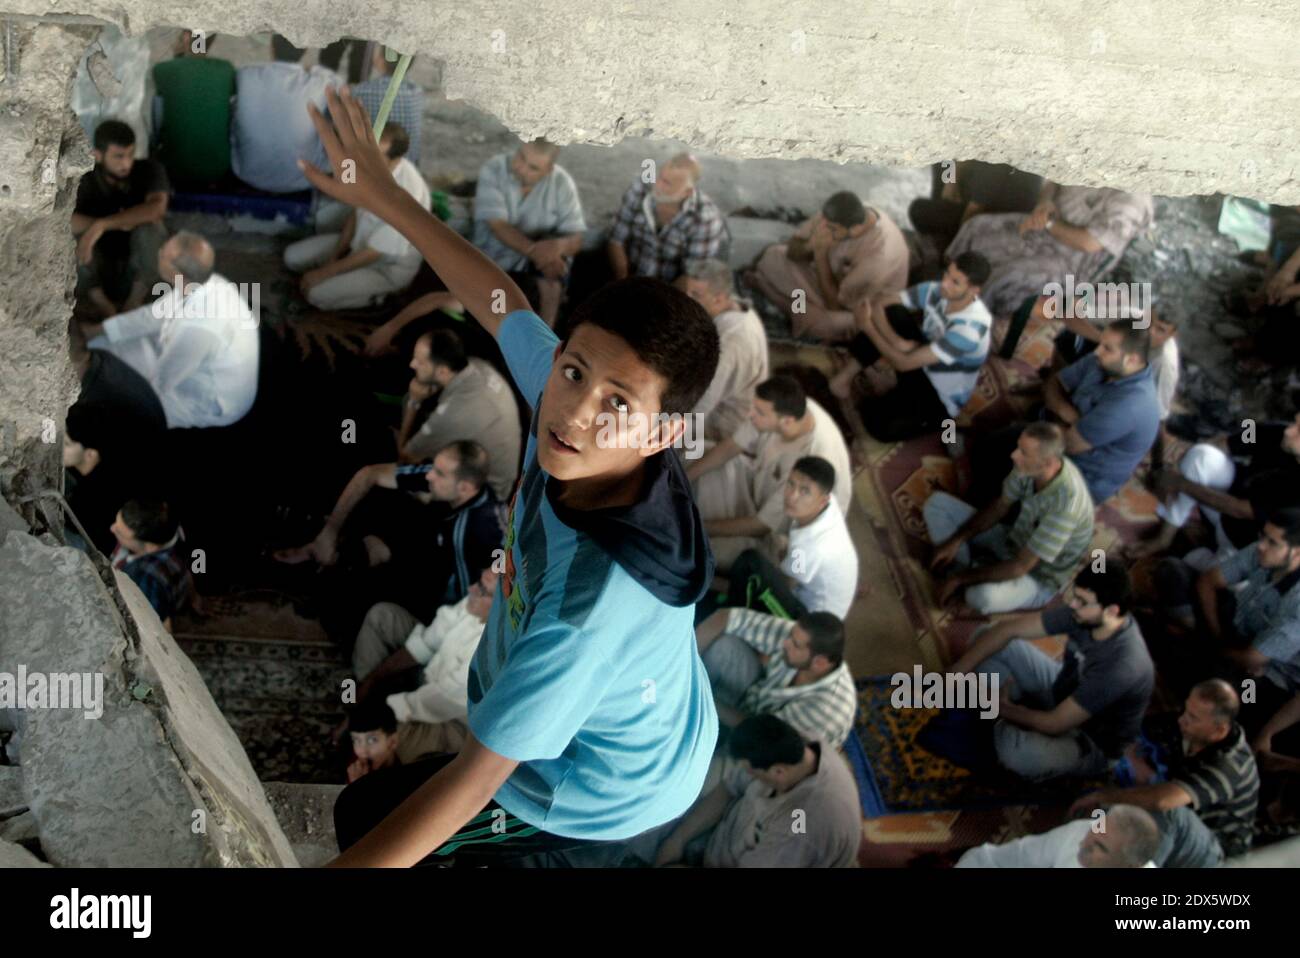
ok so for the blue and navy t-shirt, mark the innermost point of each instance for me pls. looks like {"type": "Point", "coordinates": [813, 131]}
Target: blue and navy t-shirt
{"type": "Point", "coordinates": [586, 678]}
{"type": "Point", "coordinates": [1119, 418]}
{"type": "Point", "coordinates": [959, 341]}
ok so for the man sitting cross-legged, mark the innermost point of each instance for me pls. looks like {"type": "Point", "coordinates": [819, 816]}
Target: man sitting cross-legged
{"type": "Point", "coordinates": [1072, 717]}
{"type": "Point", "coordinates": [742, 360]}
{"type": "Point", "coordinates": [473, 402]}
{"type": "Point", "coordinates": [819, 562]}
{"type": "Point", "coordinates": [1206, 805]}
{"type": "Point", "coordinates": [528, 218]}
{"type": "Point", "coordinates": [935, 336]}
{"type": "Point", "coordinates": [1245, 608]}
{"type": "Point", "coordinates": [197, 346]}
{"type": "Point", "coordinates": [783, 802]}
{"type": "Point", "coordinates": [393, 644]}
{"type": "Point", "coordinates": [1106, 403]}
{"type": "Point", "coordinates": [740, 482]}
{"type": "Point", "coordinates": [1022, 567]}
{"type": "Point", "coordinates": [759, 664]}
{"type": "Point", "coordinates": [148, 551]}
{"type": "Point", "coordinates": [848, 253]}
{"type": "Point", "coordinates": [368, 259]}
{"type": "Point", "coordinates": [1235, 481]}
{"type": "Point", "coordinates": [118, 222]}
{"type": "Point", "coordinates": [403, 547]}
{"type": "Point", "coordinates": [1129, 838]}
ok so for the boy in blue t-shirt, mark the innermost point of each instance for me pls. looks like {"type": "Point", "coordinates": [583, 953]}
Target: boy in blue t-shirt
{"type": "Point", "coordinates": [590, 713]}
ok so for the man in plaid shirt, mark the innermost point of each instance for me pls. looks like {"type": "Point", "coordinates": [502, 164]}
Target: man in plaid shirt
{"type": "Point", "coordinates": [148, 552]}
{"type": "Point", "coordinates": [761, 665]}
{"type": "Point", "coordinates": [663, 224]}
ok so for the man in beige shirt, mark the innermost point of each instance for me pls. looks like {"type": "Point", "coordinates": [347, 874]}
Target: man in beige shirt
{"type": "Point", "coordinates": [474, 402]}
{"type": "Point", "coordinates": [742, 356]}
{"type": "Point", "coordinates": [847, 253]}
{"type": "Point", "coordinates": [740, 483]}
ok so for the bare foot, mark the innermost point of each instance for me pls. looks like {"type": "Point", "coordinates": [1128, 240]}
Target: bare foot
{"type": "Point", "coordinates": [295, 556]}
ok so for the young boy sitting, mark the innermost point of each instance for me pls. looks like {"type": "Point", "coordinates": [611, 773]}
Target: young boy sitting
{"type": "Point", "coordinates": [373, 728]}
{"type": "Point", "coordinates": [590, 714]}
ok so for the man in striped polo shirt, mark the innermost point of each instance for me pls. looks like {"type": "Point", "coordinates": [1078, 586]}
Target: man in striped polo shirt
{"type": "Point", "coordinates": [1023, 566]}
{"type": "Point", "coordinates": [935, 336]}
{"type": "Point", "coordinates": [1206, 804]}
{"type": "Point", "coordinates": [759, 664]}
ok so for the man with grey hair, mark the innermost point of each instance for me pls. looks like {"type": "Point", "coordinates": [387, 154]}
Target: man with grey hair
{"type": "Point", "coordinates": [1022, 566]}
{"type": "Point", "coordinates": [1202, 783]}
{"type": "Point", "coordinates": [665, 222]}
{"type": "Point", "coordinates": [742, 359]}
{"type": "Point", "coordinates": [1125, 836]}
{"type": "Point", "coordinates": [197, 346]}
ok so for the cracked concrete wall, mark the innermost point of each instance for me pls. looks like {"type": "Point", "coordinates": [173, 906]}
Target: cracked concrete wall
{"type": "Point", "coordinates": [1173, 98]}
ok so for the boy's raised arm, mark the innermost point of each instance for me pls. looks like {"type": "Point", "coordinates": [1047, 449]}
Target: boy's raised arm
{"type": "Point", "coordinates": [484, 289]}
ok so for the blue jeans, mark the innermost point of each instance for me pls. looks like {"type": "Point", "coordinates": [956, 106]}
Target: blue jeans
{"type": "Point", "coordinates": [944, 515]}
{"type": "Point", "coordinates": [1030, 674]}
{"type": "Point", "coordinates": [1185, 841]}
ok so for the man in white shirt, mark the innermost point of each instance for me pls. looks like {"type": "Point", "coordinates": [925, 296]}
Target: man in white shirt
{"type": "Point", "coordinates": [740, 482]}
{"type": "Point", "coordinates": [1124, 837]}
{"type": "Point", "coordinates": [369, 259]}
{"type": "Point", "coordinates": [432, 717]}
{"type": "Point", "coordinates": [819, 563]}
{"type": "Point", "coordinates": [742, 356]}
{"type": "Point", "coordinates": [270, 128]}
{"type": "Point", "coordinates": [197, 346]}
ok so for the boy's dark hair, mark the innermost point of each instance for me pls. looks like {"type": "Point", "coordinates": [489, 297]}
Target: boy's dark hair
{"type": "Point", "coordinates": [151, 520]}
{"type": "Point", "coordinates": [821, 472]}
{"type": "Point", "coordinates": [372, 714]}
{"type": "Point", "coordinates": [825, 635]}
{"type": "Point", "coordinates": [446, 349]}
{"type": "Point", "coordinates": [1112, 586]}
{"type": "Point", "coordinates": [974, 266]}
{"type": "Point", "coordinates": [669, 332]}
{"type": "Point", "coordinates": [785, 394]}
{"type": "Point", "coordinates": [472, 461]}
{"type": "Point", "coordinates": [1288, 520]}
{"type": "Point", "coordinates": [399, 141]}
{"type": "Point", "coordinates": [113, 133]}
{"type": "Point", "coordinates": [1134, 340]}
{"type": "Point", "coordinates": [764, 741]}
{"type": "Point", "coordinates": [844, 209]}
{"type": "Point", "coordinates": [284, 51]}
{"type": "Point", "coordinates": [86, 425]}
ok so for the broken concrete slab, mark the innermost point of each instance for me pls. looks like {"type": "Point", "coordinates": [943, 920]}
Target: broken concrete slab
{"type": "Point", "coordinates": [12, 798]}
{"type": "Point", "coordinates": [306, 813]}
{"type": "Point", "coordinates": [158, 778]}
{"type": "Point", "coordinates": [20, 828]}
{"type": "Point", "coordinates": [15, 856]}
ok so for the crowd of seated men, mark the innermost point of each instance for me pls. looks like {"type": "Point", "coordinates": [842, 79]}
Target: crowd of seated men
{"type": "Point", "coordinates": [410, 555]}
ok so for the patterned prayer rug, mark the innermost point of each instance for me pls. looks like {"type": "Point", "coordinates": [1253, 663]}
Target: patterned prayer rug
{"type": "Point", "coordinates": [277, 680]}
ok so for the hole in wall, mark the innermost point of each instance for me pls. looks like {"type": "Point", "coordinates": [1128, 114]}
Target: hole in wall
{"type": "Point", "coordinates": [250, 229]}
